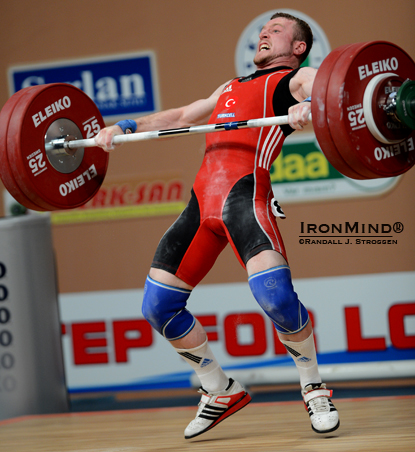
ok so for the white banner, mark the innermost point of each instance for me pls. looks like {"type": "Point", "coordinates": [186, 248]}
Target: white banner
{"type": "Point", "coordinates": [364, 327]}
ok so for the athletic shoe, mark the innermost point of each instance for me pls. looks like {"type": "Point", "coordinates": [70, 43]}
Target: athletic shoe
{"type": "Point", "coordinates": [323, 414]}
{"type": "Point", "coordinates": [216, 406]}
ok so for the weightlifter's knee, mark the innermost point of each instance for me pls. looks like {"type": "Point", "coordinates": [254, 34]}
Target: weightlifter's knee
{"type": "Point", "coordinates": [164, 307]}
{"type": "Point", "coordinates": [274, 292]}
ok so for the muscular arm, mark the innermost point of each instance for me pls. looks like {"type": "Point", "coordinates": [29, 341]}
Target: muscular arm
{"type": "Point", "coordinates": [301, 86]}
{"type": "Point", "coordinates": [196, 113]}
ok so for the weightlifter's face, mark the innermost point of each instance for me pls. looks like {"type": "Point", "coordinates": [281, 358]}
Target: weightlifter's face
{"type": "Point", "coordinates": [275, 42]}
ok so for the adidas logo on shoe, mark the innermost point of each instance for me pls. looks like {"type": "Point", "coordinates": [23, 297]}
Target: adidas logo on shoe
{"type": "Point", "coordinates": [323, 414]}
{"type": "Point", "coordinates": [216, 407]}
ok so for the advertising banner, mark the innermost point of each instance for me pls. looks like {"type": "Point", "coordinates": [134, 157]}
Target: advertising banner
{"type": "Point", "coordinates": [120, 85]}
{"type": "Point", "coordinates": [364, 328]}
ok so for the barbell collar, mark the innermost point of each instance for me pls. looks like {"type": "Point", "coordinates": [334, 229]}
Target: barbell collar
{"type": "Point", "coordinates": [59, 146]}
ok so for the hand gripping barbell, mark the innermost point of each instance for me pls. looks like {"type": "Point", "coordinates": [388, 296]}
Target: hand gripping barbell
{"type": "Point", "coordinates": [363, 114]}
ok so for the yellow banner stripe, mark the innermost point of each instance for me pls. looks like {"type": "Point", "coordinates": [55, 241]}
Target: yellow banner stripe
{"type": "Point", "coordinates": [116, 213]}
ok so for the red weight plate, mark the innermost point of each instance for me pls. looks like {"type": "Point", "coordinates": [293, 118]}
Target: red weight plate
{"type": "Point", "coordinates": [319, 111]}
{"type": "Point", "coordinates": [351, 74]}
{"type": "Point", "coordinates": [336, 116]}
{"type": "Point", "coordinates": [31, 121]}
{"type": "Point", "coordinates": [5, 170]}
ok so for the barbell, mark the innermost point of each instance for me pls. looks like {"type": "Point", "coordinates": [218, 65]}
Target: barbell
{"type": "Point", "coordinates": [362, 108]}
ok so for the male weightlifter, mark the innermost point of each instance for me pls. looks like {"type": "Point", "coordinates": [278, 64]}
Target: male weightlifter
{"type": "Point", "coordinates": [231, 202]}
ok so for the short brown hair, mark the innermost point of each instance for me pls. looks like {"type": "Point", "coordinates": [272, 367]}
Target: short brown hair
{"type": "Point", "coordinates": [302, 32]}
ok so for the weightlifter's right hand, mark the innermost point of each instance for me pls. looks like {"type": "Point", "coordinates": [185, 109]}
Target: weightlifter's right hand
{"type": "Point", "coordinates": [105, 137]}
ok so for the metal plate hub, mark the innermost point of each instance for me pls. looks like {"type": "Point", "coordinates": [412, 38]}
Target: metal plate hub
{"type": "Point", "coordinates": [63, 161]}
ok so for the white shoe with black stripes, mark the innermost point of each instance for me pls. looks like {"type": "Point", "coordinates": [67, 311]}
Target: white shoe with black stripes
{"type": "Point", "coordinates": [217, 406]}
{"type": "Point", "coordinates": [323, 414]}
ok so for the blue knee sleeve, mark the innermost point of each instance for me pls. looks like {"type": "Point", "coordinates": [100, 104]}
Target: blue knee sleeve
{"type": "Point", "coordinates": [164, 308]}
{"type": "Point", "coordinates": [274, 292]}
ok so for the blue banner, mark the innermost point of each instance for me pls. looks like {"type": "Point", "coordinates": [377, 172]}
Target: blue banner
{"type": "Point", "coordinates": [121, 86]}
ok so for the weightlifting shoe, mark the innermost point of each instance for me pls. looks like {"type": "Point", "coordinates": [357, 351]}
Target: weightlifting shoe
{"type": "Point", "coordinates": [217, 406]}
{"type": "Point", "coordinates": [323, 414]}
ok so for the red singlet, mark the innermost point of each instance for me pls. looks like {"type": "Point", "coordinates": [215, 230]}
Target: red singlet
{"type": "Point", "coordinates": [232, 192]}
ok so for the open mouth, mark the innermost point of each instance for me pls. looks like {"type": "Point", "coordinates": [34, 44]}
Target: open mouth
{"type": "Point", "coordinates": [263, 47]}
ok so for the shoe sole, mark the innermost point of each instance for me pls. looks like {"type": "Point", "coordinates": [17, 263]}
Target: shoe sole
{"type": "Point", "coordinates": [243, 401]}
{"type": "Point", "coordinates": [327, 431]}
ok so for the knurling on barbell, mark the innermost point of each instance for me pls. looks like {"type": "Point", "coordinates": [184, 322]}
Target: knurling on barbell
{"type": "Point", "coordinates": [363, 114]}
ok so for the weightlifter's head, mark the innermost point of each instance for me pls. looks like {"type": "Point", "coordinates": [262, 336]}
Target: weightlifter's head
{"type": "Point", "coordinates": [284, 40]}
